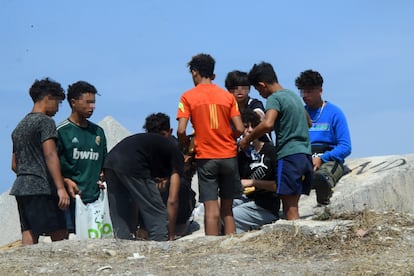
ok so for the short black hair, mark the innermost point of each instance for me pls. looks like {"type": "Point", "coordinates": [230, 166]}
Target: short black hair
{"type": "Point", "coordinates": [249, 116]}
{"type": "Point", "coordinates": [78, 88]}
{"type": "Point", "coordinates": [236, 78]}
{"type": "Point", "coordinates": [262, 72]}
{"type": "Point", "coordinates": [203, 64]}
{"type": "Point", "coordinates": [44, 87]}
{"type": "Point", "coordinates": [157, 122]}
{"type": "Point", "coordinates": [309, 79]}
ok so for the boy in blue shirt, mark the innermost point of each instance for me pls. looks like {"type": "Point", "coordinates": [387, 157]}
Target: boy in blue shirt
{"type": "Point", "coordinates": [329, 135]}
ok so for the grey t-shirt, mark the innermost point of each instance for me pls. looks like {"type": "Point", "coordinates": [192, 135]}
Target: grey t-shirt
{"type": "Point", "coordinates": [33, 177]}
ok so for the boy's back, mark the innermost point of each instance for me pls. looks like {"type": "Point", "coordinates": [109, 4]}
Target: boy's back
{"type": "Point", "coordinates": [39, 188]}
{"type": "Point", "coordinates": [32, 174]}
{"type": "Point", "coordinates": [292, 135]}
{"type": "Point", "coordinates": [210, 109]}
{"type": "Point", "coordinates": [145, 155]}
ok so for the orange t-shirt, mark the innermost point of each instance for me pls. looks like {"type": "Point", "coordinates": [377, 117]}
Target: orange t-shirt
{"type": "Point", "coordinates": [210, 109]}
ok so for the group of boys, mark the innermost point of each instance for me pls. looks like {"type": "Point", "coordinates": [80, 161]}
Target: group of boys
{"type": "Point", "coordinates": [53, 164]}
{"type": "Point", "coordinates": [241, 172]}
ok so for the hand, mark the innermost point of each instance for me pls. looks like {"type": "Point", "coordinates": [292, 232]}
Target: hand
{"type": "Point", "coordinates": [161, 184]}
{"type": "Point", "coordinates": [188, 159]}
{"type": "Point", "coordinates": [243, 144]}
{"type": "Point", "coordinates": [64, 200]}
{"type": "Point", "coordinates": [317, 162]}
{"type": "Point", "coordinates": [102, 177]}
{"type": "Point", "coordinates": [101, 184]}
{"type": "Point", "coordinates": [72, 187]}
{"type": "Point", "coordinates": [247, 183]}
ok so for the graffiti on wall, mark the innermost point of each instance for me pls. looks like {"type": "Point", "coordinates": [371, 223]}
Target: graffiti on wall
{"type": "Point", "coordinates": [372, 167]}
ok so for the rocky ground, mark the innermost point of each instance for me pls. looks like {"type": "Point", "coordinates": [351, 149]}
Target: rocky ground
{"type": "Point", "coordinates": [370, 244]}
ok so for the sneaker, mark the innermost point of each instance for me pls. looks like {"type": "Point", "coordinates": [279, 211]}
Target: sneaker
{"type": "Point", "coordinates": [323, 188]}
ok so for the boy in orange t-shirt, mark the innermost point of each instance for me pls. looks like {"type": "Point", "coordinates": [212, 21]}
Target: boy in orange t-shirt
{"type": "Point", "coordinates": [216, 121]}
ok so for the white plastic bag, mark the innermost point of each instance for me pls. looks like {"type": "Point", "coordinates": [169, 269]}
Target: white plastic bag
{"type": "Point", "coordinates": [93, 220]}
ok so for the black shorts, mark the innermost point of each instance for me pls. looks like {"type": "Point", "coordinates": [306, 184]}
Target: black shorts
{"type": "Point", "coordinates": [40, 214]}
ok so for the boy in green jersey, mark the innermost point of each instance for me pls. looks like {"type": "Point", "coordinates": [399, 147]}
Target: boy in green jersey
{"type": "Point", "coordinates": [81, 147]}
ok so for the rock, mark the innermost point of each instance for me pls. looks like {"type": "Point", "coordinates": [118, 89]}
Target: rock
{"type": "Point", "coordinates": [380, 183]}
{"type": "Point", "coordinates": [114, 131]}
{"type": "Point", "coordinates": [10, 222]}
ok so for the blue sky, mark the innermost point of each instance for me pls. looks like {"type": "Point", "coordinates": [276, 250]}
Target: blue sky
{"type": "Point", "coordinates": [135, 53]}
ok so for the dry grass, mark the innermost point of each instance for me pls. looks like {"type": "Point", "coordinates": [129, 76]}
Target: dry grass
{"type": "Point", "coordinates": [375, 244]}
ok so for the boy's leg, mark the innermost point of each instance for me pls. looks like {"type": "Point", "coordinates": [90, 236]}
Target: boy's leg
{"type": "Point", "coordinates": [151, 208]}
{"type": "Point", "coordinates": [59, 235]}
{"type": "Point", "coordinates": [211, 217]}
{"type": "Point", "coordinates": [28, 238]}
{"type": "Point", "coordinates": [207, 171]}
{"type": "Point", "coordinates": [226, 212]}
{"type": "Point", "coordinates": [240, 200]}
{"type": "Point", "coordinates": [325, 179]}
{"type": "Point", "coordinates": [40, 214]}
{"type": "Point", "coordinates": [290, 206]}
{"type": "Point", "coordinates": [293, 174]}
{"type": "Point", "coordinates": [119, 206]}
{"type": "Point", "coordinates": [249, 216]}
{"type": "Point", "coordinates": [230, 188]}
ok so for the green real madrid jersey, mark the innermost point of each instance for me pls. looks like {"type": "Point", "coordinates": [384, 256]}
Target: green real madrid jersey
{"type": "Point", "coordinates": [81, 153]}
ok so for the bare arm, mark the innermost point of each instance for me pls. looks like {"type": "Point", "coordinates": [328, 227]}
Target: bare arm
{"type": "Point", "coordinates": [268, 185]}
{"type": "Point", "coordinates": [172, 204]}
{"type": "Point", "coordinates": [14, 165]}
{"type": "Point", "coordinates": [265, 126]}
{"type": "Point", "coordinates": [308, 118]}
{"type": "Point", "coordinates": [238, 126]}
{"type": "Point", "coordinates": [72, 187]}
{"type": "Point", "coordinates": [101, 182]}
{"type": "Point", "coordinates": [317, 163]}
{"type": "Point", "coordinates": [52, 162]}
{"type": "Point", "coordinates": [181, 131]}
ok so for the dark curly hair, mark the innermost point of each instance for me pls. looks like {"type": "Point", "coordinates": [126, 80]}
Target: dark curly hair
{"type": "Point", "coordinates": [309, 79]}
{"type": "Point", "coordinates": [262, 72]}
{"type": "Point", "coordinates": [249, 116]}
{"type": "Point", "coordinates": [78, 88]}
{"type": "Point", "coordinates": [44, 87]}
{"type": "Point", "coordinates": [236, 78]}
{"type": "Point", "coordinates": [203, 64]}
{"type": "Point", "coordinates": [157, 122]}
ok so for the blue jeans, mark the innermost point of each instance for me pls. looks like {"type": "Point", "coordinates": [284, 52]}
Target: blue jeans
{"type": "Point", "coordinates": [250, 216]}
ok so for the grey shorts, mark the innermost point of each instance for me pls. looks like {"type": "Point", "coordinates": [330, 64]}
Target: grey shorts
{"type": "Point", "coordinates": [218, 177]}
{"type": "Point", "coordinates": [125, 194]}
